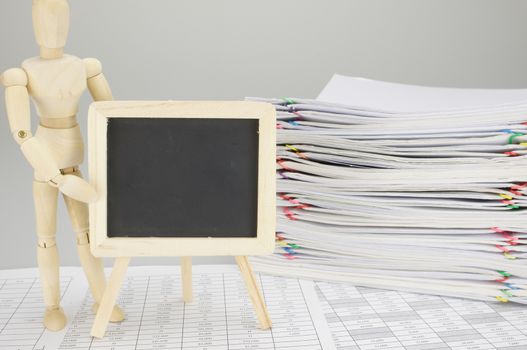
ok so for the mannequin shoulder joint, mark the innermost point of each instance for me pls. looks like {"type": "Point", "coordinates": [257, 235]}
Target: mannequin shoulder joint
{"type": "Point", "coordinates": [93, 67]}
{"type": "Point", "coordinates": [14, 77]}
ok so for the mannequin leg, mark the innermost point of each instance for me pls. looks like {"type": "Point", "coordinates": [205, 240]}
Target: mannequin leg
{"type": "Point", "coordinates": [93, 267]}
{"type": "Point", "coordinates": [45, 198]}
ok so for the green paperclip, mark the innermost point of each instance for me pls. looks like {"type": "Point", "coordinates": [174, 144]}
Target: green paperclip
{"type": "Point", "coordinates": [292, 245]}
{"type": "Point", "coordinates": [289, 101]}
{"type": "Point", "coordinates": [513, 206]}
{"type": "Point", "coordinates": [507, 293]}
{"type": "Point", "coordinates": [504, 273]}
{"type": "Point", "coordinates": [513, 136]}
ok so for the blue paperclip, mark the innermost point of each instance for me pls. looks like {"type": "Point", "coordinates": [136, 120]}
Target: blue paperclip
{"type": "Point", "coordinates": [510, 286]}
{"type": "Point", "coordinates": [289, 250]}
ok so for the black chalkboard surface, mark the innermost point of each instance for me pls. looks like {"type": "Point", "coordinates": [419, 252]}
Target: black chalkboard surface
{"type": "Point", "coordinates": [182, 177]}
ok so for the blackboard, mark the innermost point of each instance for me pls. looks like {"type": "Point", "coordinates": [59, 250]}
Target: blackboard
{"type": "Point", "coordinates": [182, 177]}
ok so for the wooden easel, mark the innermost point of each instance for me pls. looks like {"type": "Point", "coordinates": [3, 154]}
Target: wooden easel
{"type": "Point", "coordinates": [257, 241]}
{"type": "Point", "coordinates": [119, 271]}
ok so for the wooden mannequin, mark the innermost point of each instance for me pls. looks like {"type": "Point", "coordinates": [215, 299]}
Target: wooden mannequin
{"type": "Point", "coordinates": [55, 82]}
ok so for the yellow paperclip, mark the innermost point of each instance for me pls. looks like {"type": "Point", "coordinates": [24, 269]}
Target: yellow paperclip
{"type": "Point", "coordinates": [506, 196]}
{"type": "Point", "coordinates": [502, 299]}
{"type": "Point", "coordinates": [509, 256]}
{"type": "Point", "coordinates": [292, 148]}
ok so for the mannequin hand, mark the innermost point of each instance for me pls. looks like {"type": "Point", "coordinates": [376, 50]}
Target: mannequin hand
{"type": "Point", "coordinates": [76, 188]}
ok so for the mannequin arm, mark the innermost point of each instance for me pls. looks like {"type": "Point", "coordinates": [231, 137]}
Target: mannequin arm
{"type": "Point", "coordinates": [36, 153]}
{"type": "Point", "coordinates": [17, 103]}
{"type": "Point", "coordinates": [97, 83]}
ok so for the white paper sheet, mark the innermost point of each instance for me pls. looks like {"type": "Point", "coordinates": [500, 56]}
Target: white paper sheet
{"type": "Point", "coordinates": [22, 308]}
{"type": "Point", "coordinates": [365, 318]}
{"type": "Point", "coordinates": [358, 318]}
{"type": "Point", "coordinates": [380, 95]}
{"type": "Point", "coordinates": [220, 317]}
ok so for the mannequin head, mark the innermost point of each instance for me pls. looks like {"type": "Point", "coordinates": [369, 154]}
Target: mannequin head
{"type": "Point", "coordinates": [51, 21]}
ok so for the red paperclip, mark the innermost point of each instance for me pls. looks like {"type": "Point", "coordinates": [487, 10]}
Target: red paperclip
{"type": "Point", "coordinates": [514, 189]}
{"type": "Point", "coordinates": [502, 248]}
{"type": "Point", "coordinates": [290, 215]}
{"type": "Point", "coordinates": [285, 197]}
{"type": "Point", "coordinates": [513, 241]}
{"type": "Point", "coordinates": [299, 205]}
{"type": "Point", "coordinates": [280, 162]}
{"type": "Point", "coordinates": [299, 116]}
{"type": "Point", "coordinates": [511, 153]}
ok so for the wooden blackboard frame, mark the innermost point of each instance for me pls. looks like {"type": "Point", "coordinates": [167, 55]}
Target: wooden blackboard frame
{"type": "Point", "coordinates": [103, 246]}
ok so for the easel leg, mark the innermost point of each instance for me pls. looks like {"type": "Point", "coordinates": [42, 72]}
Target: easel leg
{"type": "Point", "coordinates": [254, 293]}
{"type": "Point", "coordinates": [186, 278]}
{"type": "Point", "coordinates": [109, 297]}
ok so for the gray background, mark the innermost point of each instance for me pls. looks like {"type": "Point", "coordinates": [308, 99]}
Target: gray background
{"type": "Point", "coordinates": [196, 49]}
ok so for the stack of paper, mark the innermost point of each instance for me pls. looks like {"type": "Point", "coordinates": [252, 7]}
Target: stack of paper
{"type": "Point", "coordinates": [423, 201]}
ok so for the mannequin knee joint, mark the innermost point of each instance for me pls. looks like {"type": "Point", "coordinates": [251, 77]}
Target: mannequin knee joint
{"type": "Point", "coordinates": [83, 238]}
{"type": "Point", "coordinates": [46, 242]}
